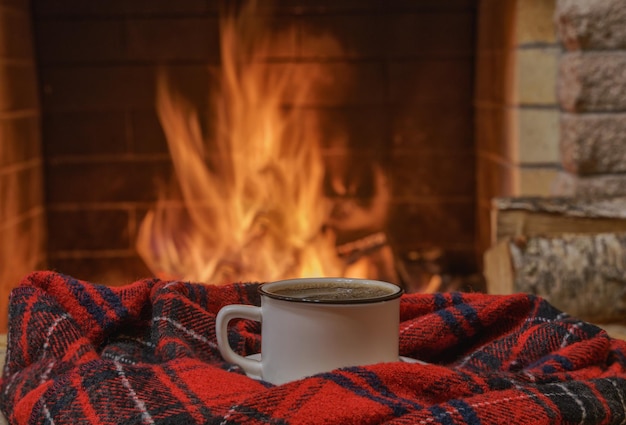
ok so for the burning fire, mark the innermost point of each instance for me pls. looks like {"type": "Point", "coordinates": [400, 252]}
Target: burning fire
{"type": "Point", "coordinates": [250, 203]}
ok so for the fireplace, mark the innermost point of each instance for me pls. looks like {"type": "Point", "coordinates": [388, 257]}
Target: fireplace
{"type": "Point", "coordinates": [401, 105]}
{"type": "Point", "coordinates": [400, 100]}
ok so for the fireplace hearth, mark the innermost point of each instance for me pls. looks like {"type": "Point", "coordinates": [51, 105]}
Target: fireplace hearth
{"type": "Point", "coordinates": [415, 93]}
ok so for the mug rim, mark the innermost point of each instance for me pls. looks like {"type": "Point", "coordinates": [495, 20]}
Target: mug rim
{"type": "Point", "coordinates": [398, 290]}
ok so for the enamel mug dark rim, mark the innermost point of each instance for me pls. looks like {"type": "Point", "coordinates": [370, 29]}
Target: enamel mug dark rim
{"type": "Point", "coordinates": [398, 291]}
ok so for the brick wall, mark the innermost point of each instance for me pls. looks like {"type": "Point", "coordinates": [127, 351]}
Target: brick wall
{"type": "Point", "coordinates": [401, 87]}
{"type": "Point", "coordinates": [550, 100]}
{"type": "Point", "coordinates": [517, 112]}
{"type": "Point", "coordinates": [21, 197]}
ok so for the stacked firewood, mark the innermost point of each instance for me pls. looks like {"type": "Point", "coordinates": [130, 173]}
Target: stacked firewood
{"type": "Point", "coordinates": [571, 251]}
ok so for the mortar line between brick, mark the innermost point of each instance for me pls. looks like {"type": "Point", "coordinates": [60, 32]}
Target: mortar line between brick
{"type": "Point", "coordinates": [21, 166]}
{"type": "Point", "coordinates": [19, 113]}
{"type": "Point", "coordinates": [95, 253]}
{"type": "Point", "coordinates": [21, 218]}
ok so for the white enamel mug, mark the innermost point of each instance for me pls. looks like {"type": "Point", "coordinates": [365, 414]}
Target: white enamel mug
{"type": "Point", "coordinates": [302, 336]}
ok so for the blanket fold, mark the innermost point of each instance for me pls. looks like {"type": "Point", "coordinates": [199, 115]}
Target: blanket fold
{"type": "Point", "coordinates": [145, 353]}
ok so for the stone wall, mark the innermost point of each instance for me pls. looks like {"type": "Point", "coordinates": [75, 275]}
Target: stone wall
{"type": "Point", "coordinates": [592, 96]}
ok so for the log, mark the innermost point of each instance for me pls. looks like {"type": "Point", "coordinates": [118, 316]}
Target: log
{"type": "Point", "coordinates": [581, 274]}
{"type": "Point", "coordinates": [530, 216]}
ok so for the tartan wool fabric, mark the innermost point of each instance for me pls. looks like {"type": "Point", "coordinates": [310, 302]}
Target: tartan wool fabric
{"type": "Point", "coordinates": [145, 353]}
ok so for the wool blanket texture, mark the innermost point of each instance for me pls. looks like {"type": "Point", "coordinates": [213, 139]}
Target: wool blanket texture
{"type": "Point", "coordinates": [145, 353]}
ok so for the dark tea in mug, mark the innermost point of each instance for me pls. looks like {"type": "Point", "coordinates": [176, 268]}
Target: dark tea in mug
{"type": "Point", "coordinates": [348, 291]}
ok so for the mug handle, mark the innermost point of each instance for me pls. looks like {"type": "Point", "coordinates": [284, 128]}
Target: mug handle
{"type": "Point", "coordinates": [224, 316]}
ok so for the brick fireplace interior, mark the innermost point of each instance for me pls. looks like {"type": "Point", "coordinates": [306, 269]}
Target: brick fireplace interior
{"type": "Point", "coordinates": [82, 151]}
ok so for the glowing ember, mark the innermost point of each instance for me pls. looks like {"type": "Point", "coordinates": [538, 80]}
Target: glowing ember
{"type": "Point", "coordinates": [250, 204]}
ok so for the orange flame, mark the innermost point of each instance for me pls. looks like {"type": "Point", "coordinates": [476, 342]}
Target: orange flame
{"type": "Point", "coordinates": [251, 203]}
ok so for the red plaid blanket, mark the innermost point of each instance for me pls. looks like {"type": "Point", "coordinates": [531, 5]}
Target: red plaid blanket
{"type": "Point", "coordinates": [145, 353]}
